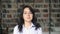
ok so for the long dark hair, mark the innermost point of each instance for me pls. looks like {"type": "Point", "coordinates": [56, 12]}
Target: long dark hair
{"type": "Point", "coordinates": [21, 20]}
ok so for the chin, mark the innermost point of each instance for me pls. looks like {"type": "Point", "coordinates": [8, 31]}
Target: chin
{"type": "Point", "coordinates": [28, 20]}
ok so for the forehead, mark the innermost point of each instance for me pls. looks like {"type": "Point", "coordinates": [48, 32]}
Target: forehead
{"type": "Point", "coordinates": [26, 9]}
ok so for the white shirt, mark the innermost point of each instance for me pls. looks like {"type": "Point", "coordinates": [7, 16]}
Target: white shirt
{"type": "Point", "coordinates": [30, 30]}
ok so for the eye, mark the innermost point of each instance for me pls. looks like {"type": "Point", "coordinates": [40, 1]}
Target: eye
{"type": "Point", "coordinates": [30, 12]}
{"type": "Point", "coordinates": [27, 12]}
{"type": "Point", "coordinates": [24, 13]}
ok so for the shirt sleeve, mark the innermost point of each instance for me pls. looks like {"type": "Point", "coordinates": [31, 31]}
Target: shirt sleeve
{"type": "Point", "coordinates": [15, 30]}
{"type": "Point", "coordinates": [39, 30]}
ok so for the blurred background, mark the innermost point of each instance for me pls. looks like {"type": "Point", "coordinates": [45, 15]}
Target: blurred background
{"type": "Point", "coordinates": [47, 13]}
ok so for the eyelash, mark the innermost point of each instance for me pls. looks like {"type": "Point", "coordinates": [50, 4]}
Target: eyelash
{"type": "Point", "coordinates": [26, 13]}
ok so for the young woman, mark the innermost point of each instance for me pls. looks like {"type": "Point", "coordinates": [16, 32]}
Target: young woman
{"type": "Point", "coordinates": [27, 22]}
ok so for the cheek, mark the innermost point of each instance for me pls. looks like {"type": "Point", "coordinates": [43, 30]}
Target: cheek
{"type": "Point", "coordinates": [25, 16]}
{"type": "Point", "coordinates": [31, 16]}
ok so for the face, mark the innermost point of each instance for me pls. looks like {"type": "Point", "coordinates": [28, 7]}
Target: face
{"type": "Point", "coordinates": [27, 14]}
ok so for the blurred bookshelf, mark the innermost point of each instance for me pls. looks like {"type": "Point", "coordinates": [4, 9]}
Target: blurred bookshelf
{"type": "Point", "coordinates": [12, 8]}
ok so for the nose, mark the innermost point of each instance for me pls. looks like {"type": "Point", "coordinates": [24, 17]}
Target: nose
{"type": "Point", "coordinates": [28, 14]}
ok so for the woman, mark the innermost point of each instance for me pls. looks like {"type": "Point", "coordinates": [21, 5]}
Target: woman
{"type": "Point", "coordinates": [27, 22]}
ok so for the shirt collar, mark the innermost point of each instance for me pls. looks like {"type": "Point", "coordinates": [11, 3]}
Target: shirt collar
{"type": "Point", "coordinates": [32, 25]}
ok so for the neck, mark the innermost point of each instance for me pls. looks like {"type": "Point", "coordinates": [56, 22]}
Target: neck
{"type": "Point", "coordinates": [27, 24]}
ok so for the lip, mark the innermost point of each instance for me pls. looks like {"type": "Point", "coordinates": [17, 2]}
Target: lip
{"type": "Point", "coordinates": [28, 17]}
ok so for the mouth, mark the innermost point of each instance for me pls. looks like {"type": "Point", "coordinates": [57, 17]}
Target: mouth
{"type": "Point", "coordinates": [28, 18]}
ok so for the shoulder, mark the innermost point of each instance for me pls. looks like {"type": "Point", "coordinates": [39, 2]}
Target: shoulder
{"type": "Point", "coordinates": [39, 28]}
{"type": "Point", "coordinates": [16, 27]}
{"type": "Point", "coordinates": [37, 25]}
{"type": "Point", "coordinates": [16, 30]}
